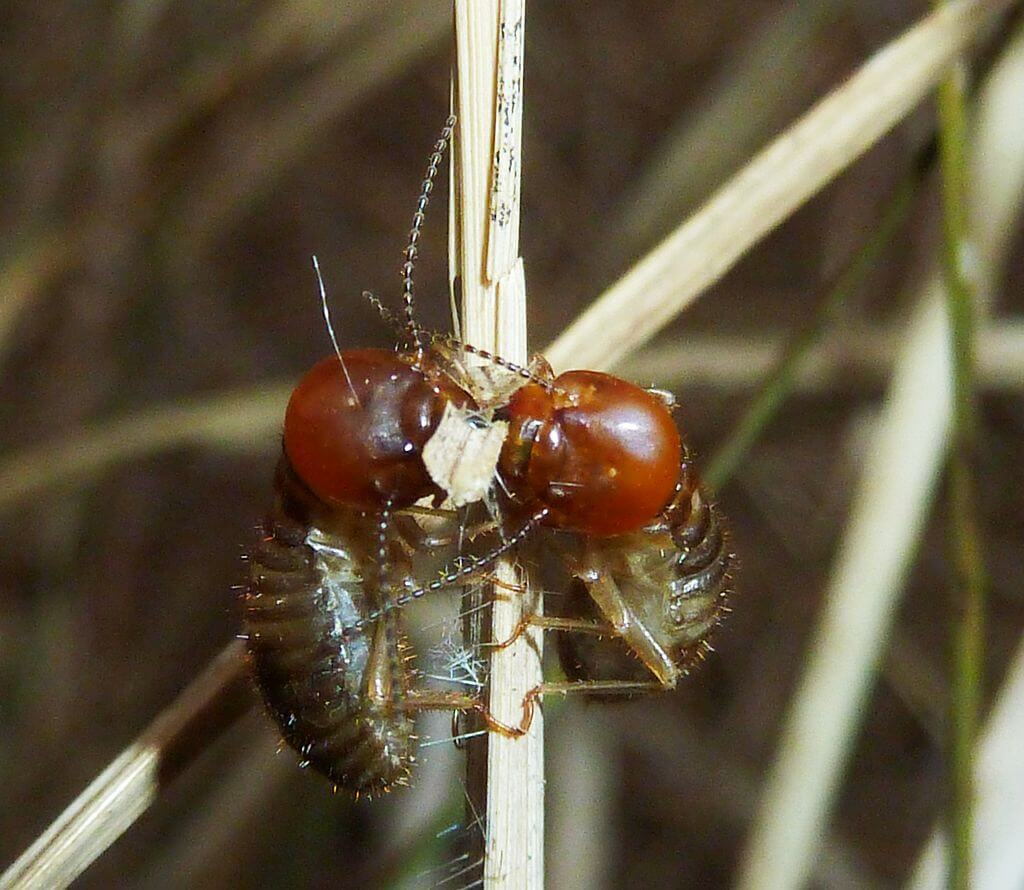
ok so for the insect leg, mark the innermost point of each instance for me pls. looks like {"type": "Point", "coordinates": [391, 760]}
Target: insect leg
{"type": "Point", "coordinates": [430, 700]}
{"type": "Point", "coordinates": [605, 593]}
{"type": "Point", "coordinates": [553, 622]}
{"type": "Point", "coordinates": [596, 687]}
{"type": "Point", "coordinates": [580, 687]}
{"type": "Point", "coordinates": [586, 687]}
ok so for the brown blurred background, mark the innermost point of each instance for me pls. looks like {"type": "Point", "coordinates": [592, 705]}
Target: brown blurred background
{"type": "Point", "coordinates": [168, 168]}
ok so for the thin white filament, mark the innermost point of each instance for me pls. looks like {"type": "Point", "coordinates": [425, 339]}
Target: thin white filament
{"type": "Point", "coordinates": [330, 329]}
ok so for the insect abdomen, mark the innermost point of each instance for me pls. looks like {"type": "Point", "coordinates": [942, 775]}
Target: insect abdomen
{"type": "Point", "coordinates": [322, 684]}
{"type": "Point", "coordinates": [663, 588]}
{"type": "Point", "coordinates": [701, 573]}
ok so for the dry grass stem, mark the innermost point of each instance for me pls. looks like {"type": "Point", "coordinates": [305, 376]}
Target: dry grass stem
{"type": "Point", "coordinates": [732, 361]}
{"type": "Point", "coordinates": [693, 157]}
{"type": "Point", "coordinates": [126, 788]}
{"type": "Point", "coordinates": [775, 183]}
{"type": "Point", "coordinates": [889, 510]}
{"type": "Point", "coordinates": [250, 419]}
{"type": "Point", "coordinates": [489, 54]}
{"type": "Point", "coordinates": [234, 418]}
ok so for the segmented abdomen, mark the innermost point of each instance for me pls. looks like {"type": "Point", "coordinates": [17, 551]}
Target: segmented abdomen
{"type": "Point", "coordinates": [336, 695]}
{"type": "Point", "coordinates": [701, 579]}
{"type": "Point", "coordinates": [667, 584]}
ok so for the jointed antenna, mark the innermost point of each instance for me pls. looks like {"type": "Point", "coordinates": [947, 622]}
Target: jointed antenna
{"type": "Point", "coordinates": [390, 318]}
{"type": "Point", "coordinates": [412, 328]}
{"type": "Point", "coordinates": [451, 577]}
{"type": "Point", "coordinates": [499, 361]}
{"type": "Point", "coordinates": [383, 557]}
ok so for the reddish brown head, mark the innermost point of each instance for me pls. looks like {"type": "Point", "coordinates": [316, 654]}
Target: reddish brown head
{"type": "Point", "coordinates": [602, 454]}
{"type": "Point", "coordinates": [354, 433]}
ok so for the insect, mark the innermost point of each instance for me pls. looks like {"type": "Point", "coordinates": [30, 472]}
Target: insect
{"type": "Point", "coordinates": [595, 459]}
{"type": "Point", "coordinates": [650, 560]}
{"type": "Point", "coordinates": [337, 556]}
{"type": "Point", "coordinates": [601, 463]}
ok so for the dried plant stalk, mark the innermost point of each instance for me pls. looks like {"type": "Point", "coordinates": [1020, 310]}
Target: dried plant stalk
{"type": "Point", "coordinates": [765, 192]}
{"type": "Point", "coordinates": [126, 788]}
{"type": "Point", "coordinates": [250, 419]}
{"type": "Point", "coordinates": [489, 44]}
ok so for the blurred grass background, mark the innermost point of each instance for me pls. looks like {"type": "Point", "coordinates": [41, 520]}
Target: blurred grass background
{"type": "Point", "coordinates": [168, 168]}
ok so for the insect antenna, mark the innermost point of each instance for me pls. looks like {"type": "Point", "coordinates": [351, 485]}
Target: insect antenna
{"type": "Point", "coordinates": [391, 318]}
{"type": "Point", "coordinates": [388, 316]}
{"type": "Point", "coordinates": [412, 329]}
{"type": "Point", "coordinates": [330, 329]}
{"type": "Point", "coordinates": [383, 560]}
{"type": "Point", "coordinates": [497, 360]}
{"type": "Point", "coordinates": [453, 576]}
